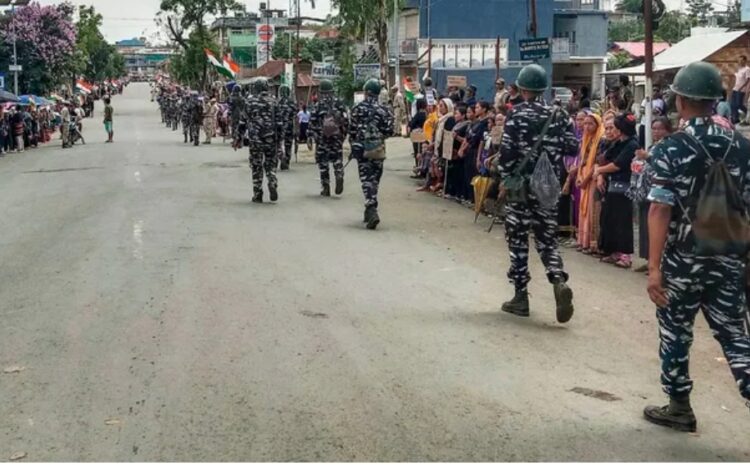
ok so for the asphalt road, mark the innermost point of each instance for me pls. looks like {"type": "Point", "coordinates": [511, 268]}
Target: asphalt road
{"type": "Point", "coordinates": [159, 315]}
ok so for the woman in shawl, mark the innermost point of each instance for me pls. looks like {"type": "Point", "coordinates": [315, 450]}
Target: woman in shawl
{"type": "Point", "coordinates": [593, 130]}
{"type": "Point", "coordinates": [570, 198]}
{"type": "Point", "coordinates": [443, 121]}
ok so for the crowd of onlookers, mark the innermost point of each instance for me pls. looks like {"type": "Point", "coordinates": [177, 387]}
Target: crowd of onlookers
{"type": "Point", "coordinates": [605, 183]}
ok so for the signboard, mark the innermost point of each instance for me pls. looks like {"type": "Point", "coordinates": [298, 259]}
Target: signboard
{"type": "Point", "coordinates": [463, 53]}
{"type": "Point", "coordinates": [2, 81]}
{"type": "Point", "coordinates": [457, 81]}
{"type": "Point", "coordinates": [534, 49]}
{"type": "Point", "coordinates": [359, 97]}
{"type": "Point", "coordinates": [265, 52]}
{"type": "Point", "coordinates": [745, 11]}
{"type": "Point", "coordinates": [322, 70]}
{"type": "Point", "coordinates": [18, 68]}
{"type": "Point", "coordinates": [288, 76]}
{"type": "Point", "coordinates": [560, 49]}
{"type": "Point", "coordinates": [265, 33]}
{"type": "Point", "coordinates": [363, 72]}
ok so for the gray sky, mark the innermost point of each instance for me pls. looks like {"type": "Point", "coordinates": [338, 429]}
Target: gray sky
{"type": "Point", "coordinates": [124, 19]}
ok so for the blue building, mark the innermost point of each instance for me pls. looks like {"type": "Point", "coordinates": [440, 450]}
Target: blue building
{"type": "Point", "coordinates": [576, 29]}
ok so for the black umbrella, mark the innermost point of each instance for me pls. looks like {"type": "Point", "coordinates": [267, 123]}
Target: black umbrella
{"type": "Point", "coordinates": [6, 96]}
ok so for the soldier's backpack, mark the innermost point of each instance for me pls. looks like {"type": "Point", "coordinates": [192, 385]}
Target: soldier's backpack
{"type": "Point", "coordinates": [332, 123]}
{"type": "Point", "coordinates": [373, 141]}
{"type": "Point", "coordinates": [720, 221]}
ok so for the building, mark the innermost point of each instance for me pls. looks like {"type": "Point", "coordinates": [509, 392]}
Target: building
{"type": "Point", "coordinates": [579, 45]}
{"type": "Point", "coordinates": [637, 50]}
{"type": "Point", "coordinates": [142, 61]}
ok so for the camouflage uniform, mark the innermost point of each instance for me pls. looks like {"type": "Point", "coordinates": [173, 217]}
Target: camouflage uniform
{"type": "Point", "coordinates": [185, 119]}
{"type": "Point", "coordinates": [287, 115]}
{"type": "Point", "coordinates": [329, 150]}
{"type": "Point", "coordinates": [522, 128]}
{"type": "Point", "coordinates": [715, 285]}
{"type": "Point", "coordinates": [174, 113]}
{"type": "Point", "coordinates": [262, 113]}
{"type": "Point", "coordinates": [236, 110]}
{"type": "Point", "coordinates": [370, 171]}
{"type": "Point", "coordinates": [196, 120]}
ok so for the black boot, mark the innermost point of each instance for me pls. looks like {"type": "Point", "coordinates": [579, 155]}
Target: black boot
{"type": "Point", "coordinates": [373, 219]}
{"type": "Point", "coordinates": [677, 415]}
{"type": "Point", "coordinates": [326, 190]}
{"type": "Point", "coordinates": [273, 193]}
{"type": "Point", "coordinates": [258, 197]}
{"type": "Point", "coordinates": [518, 305]}
{"type": "Point", "coordinates": [339, 185]}
{"type": "Point", "coordinates": [564, 301]}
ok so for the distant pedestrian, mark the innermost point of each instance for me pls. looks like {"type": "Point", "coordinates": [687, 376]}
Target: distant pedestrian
{"type": "Point", "coordinates": [739, 91]}
{"type": "Point", "coordinates": [108, 120]}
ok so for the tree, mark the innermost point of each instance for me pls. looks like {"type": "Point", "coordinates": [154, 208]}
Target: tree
{"type": "Point", "coordinates": [357, 16]}
{"type": "Point", "coordinates": [45, 40]}
{"type": "Point", "coordinates": [699, 10]}
{"type": "Point", "coordinates": [673, 27]}
{"type": "Point", "coordinates": [626, 31]}
{"type": "Point", "coordinates": [183, 16]}
{"type": "Point", "coordinates": [618, 61]}
{"type": "Point", "coordinates": [96, 59]}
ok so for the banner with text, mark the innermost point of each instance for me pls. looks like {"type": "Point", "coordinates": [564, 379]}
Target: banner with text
{"type": "Point", "coordinates": [363, 72]}
{"type": "Point", "coordinates": [322, 70]}
{"type": "Point", "coordinates": [463, 53]}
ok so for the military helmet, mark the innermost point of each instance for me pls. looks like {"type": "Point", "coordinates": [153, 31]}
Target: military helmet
{"type": "Point", "coordinates": [285, 91]}
{"type": "Point", "coordinates": [372, 87]}
{"type": "Point", "coordinates": [427, 82]}
{"type": "Point", "coordinates": [260, 84]}
{"type": "Point", "coordinates": [326, 86]}
{"type": "Point", "coordinates": [532, 78]}
{"type": "Point", "coordinates": [698, 81]}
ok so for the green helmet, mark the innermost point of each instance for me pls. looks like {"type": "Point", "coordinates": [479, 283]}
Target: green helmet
{"type": "Point", "coordinates": [326, 86]}
{"type": "Point", "coordinates": [372, 87]}
{"type": "Point", "coordinates": [698, 81]}
{"type": "Point", "coordinates": [284, 91]}
{"type": "Point", "coordinates": [532, 78]}
{"type": "Point", "coordinates": [260, 84]}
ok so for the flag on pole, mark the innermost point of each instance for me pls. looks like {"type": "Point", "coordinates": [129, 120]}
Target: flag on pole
{"type": "Point", "coordinates": [231, 65]}
{"type": "Point", "coordinates": [83, 86]}
{"type": "Point", "coordinates": [408, 90]}
{"type": "Point", "coordinates": [218, 66]}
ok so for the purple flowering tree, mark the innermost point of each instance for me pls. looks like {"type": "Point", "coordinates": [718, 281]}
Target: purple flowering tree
{"type": "Point", "coordinates": [46, 40]}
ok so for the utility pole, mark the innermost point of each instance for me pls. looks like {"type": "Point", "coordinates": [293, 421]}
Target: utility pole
{"type": "Point", "coordinates": [15, 51]}
{"type": "Point", "coordinates": [429, 40]}
{"type": "Point", "coordinates": [397, 45]}
{"type": "Point", "coordinates": [532, 22]}
{"type": "Point", "coordinates": [649, 68]}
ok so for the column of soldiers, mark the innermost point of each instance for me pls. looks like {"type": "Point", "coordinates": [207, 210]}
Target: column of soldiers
{"type": "Point", "coordinates": [265, 124]}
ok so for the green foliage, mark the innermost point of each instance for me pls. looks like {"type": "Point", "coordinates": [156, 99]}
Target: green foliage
{"type": "Point", "coordinates": [181, 17]}
{"type": "Point", "coordinates": [673, 27]}
{"type": "Point", "coordinates": [190, 66]}
{"type": "Point", "coordinates": [346, 86]}
{"type": "Point", "coordinates": [626, 31]}
{"type": "Point", "coordinates": [700, 10]}
{"type": "Point", "coordinates": [314, 49]}
{"type": "Point", "coordinates": [618, 61]}
{"type": "Point", "coordinates": [96, 60]}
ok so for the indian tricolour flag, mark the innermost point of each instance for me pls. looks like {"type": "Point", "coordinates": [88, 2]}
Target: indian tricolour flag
{"type": "Point", "coordinates": [83, 86]}
{"type": "Point", "coordinates": [217, 65]}
{"type": "Point", "coordinates": [231, 65]}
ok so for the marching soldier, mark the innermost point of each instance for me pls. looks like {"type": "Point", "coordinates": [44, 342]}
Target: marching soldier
{"type": "Point", "coordinates": [210, 110]}
{"type": "Point", "coordinates": [684, 276]}
{"type": "Point", "coordinates": [329, 122]}
{"type": "Point", "coordinates": [196, 119]}
{"type": "Point", "coordinates": [174, 111]}
{"type": "Point", "coordinates": [287, 115]}
{"type": "Point", "coordinates": [371, 125]}
{"type": "Point", "coordinates": [262, 113]}
{"type": "Point", "coordinates": [185, 117]}
{"type": "Point", "coordinates": [236, 109]}
{"type": "Point", "coordinates": [523, 127]}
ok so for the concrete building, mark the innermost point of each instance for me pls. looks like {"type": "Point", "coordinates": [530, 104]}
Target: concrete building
{"type": "Point", "coordinates": [142, 61]}
{"type": "Point", "coordinates": [580, 44]}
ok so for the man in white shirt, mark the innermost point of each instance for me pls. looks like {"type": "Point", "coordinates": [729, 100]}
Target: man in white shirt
{"type": "Point", "coordinates": [501, 94]}
{"type": "Point", "coordinates": [739, 91]}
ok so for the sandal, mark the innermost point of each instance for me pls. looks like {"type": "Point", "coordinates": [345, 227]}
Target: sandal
{"type": "Point", "coordinates": [586, 251]}
{"type": "Point", "coordinates": [623, 264]}
{"type": "Point", "coordinates": [610, 259]}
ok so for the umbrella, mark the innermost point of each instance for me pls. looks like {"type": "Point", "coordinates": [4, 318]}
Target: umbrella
{"type": "Point", "coordinates": [482, 186]}
{"type": "Point", "coordinates": [6, 96]}
{"type": "Point", "coordinates": [25, 100]}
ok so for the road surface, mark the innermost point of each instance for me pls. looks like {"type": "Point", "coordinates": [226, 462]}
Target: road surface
{"type": "Point", "coordinates": [159, 315]}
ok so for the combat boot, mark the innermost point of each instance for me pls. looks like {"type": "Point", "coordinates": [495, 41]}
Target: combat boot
{"type": "Point", "coordinates": [258, 197]}
{"type": "Point", "coordinates": [326, 190]}
{"type": "Point", "coordinates": [564, 301]}
{"type": "Point", "coordinates": [273, 193]}
{"type": "Point", "coordinates": [677, 415]}
{"type": "Point", "coordinates": [518, 305]}
{"type": "Point", "coordinates": [373, 220]}
{"type": "Point", "coordinates": [186, 139]}
{"type": "Point", "coordinates": [339, 185]}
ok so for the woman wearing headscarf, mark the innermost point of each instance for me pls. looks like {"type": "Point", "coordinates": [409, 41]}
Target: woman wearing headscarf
{"type": "Point", "coordinates": [593, 130]}
{"type": "Point", "coordinates": [445, 122]}
{"type": "Point", "coordinates": [570, 199]}
{"type": "Point", "coordinates": [613, 181]}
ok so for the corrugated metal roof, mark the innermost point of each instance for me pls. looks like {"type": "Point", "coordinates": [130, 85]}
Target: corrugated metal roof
{"type": "Point", "coordinates": [694, 48]}
{"type": "Point", "coordinates": [638, 49]}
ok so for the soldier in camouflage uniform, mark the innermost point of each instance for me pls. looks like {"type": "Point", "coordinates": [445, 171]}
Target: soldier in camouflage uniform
{"type": "Point", "coordinates": [683, 280]}
{"type": "Point", "coordinates": [367, 117]}
{"type": "Point", "coordinates": [196, 118]}
{"type": "Point", "coordinates": [236, 110]}
{"type": "Point", "coordinates": [174, 112]}
{"type": "Point", "coordinates": [287, 115]}
{"type": "Point", "coordinates": [185, 117]}
{"type": "Point", "coordinates": [262, 113]}
{"type": "Point", "coordinates": [329, 122]}
{"type": "Point", "coordinates": [522, 129]}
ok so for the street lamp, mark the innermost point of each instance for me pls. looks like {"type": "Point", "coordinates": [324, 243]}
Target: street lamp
{"type": "Point", "coordinates": [14, 68]}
